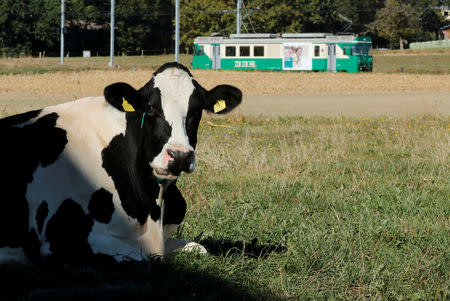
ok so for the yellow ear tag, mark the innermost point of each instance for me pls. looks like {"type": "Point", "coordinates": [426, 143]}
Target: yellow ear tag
{"type": "Point", "coordinates": [219, 106]}
{"type": "Point", "coordinates": [126, 106]}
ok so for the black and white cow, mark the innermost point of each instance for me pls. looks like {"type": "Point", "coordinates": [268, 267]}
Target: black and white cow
{"type": "Point", "coordinates": [95, 177]}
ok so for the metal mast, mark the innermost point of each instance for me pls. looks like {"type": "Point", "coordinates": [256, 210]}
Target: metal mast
{"type": "Point", "coordinates": [111, 46]}
{"type": "Point", "coordinates": [177, 29]}
{"type": "Point", "coordinates": [238, 17]}
{"type": "Point", "coordinates": [62, 32]}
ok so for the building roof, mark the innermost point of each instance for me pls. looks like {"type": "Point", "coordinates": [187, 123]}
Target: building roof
{"type": "Point", "coordinates": [445, 27]}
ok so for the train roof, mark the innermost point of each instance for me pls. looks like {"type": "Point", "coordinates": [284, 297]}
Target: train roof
{"type": "Point", "coordinates": [258, 38]}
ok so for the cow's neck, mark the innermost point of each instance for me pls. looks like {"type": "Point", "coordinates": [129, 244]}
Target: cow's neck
{"type": "Point", "coordinates": [125, 161]}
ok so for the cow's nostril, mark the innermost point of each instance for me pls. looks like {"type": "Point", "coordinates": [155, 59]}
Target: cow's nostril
{"type": "Point", "coordinates": [181, 160]}
{"type": "Point", "coordinates": [171, 153]}
{"type": "Point", "coordinates": [190, 157]}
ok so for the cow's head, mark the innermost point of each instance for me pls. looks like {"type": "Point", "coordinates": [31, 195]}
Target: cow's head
{"type": "Point", "coordinates": [166, 113]}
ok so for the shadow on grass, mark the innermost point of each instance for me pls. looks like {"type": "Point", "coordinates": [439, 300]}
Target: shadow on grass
{"type": "Point", "coordinates": [157, 280]}
{"type": "Point", "coordinates": [224, 247]}
{"type": "Point", "coordinates": [135, 281]}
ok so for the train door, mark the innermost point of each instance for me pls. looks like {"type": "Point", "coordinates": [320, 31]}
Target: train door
{"type": "Point", "coordinates": [216, 57]}
{"type": "Point", "coordinates": [331, 62]}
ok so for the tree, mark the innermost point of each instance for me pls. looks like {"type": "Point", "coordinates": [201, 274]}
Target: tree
{"type": "Point", "coordinates": [278, 17]}
{"type": "Point", "coordinates": [202, 17]}
{"type": "Point", "coordinates": [143, 25]}
{"type": "Point", "coordinates": [46, 21]}
{"type": "Point", "coordinates": [87, 24]}
{"type": "Point", "coordinates": [15, 24]}
{"type": "Point", "coordinates": [362, 12]}
{"type": "Point", "coordinates": [395, 22]}
{"type": "Point", "coordinates": [431, 22]}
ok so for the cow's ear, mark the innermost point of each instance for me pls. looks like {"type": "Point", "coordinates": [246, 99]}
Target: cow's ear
{"type": "Point", "coordinates": [123, 97]}
{"type": "Point", "coordinates": [222, 99]}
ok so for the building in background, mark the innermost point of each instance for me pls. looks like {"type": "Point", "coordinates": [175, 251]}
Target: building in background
{"type": "Point", "coordinates": [446, 32]}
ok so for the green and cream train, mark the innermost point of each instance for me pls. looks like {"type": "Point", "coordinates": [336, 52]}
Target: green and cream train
{"type": "Point", "coordinates": [294, 51]}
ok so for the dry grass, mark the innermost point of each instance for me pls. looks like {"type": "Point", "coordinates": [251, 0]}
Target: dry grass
{"type": "Point", "coordinates": [52, 64]}
{"type": "Point", "coordinates": [73, 85]}
{"type": "Point", "coordinates": [266, 144]}
{"type": "Point", "coordinates": [276, 83]}
{"type": "Point", "coordinates": [406, 52]}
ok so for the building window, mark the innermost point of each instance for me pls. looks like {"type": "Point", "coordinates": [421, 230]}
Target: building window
{"type": "Point", "coordinates": [244, 51]}
{"type": "Point", "coordinates": [316, 50]}
{"type": "Point", "coordinates": [230, 51]}
{"type": "Point", "coordinates": [258, 51]}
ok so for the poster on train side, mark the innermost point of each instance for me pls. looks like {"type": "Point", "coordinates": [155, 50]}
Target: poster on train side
{"type": "Point", "coordinates": [297, 56]}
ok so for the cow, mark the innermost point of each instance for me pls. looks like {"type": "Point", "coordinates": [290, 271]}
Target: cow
{"type": "Point", "coordinates": [95, 178]}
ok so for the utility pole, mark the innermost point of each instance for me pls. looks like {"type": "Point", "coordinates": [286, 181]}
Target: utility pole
{"type": "Point", "coordinates": [62, 32]}
{"type": "Point", "coordinates": [177, 29]}
{"type": "Point", "coordinates": [111, 45]}
{"type": "Point", "coordinates": [238, 17]}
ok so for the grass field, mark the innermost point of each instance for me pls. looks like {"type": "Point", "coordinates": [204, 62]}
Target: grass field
{"type": "Point", "coordinates": [53, 64]}
{"type": "Point", "coordinates": [298, 207]}
{"type": "Point", "coordinates": [360, 204]}
{"type": "Point", "coordinates": [23, 92]}
{"type": "Point", "coordinates": [92, 82]}
{"type": "Point", "coordinates": [436, 61]}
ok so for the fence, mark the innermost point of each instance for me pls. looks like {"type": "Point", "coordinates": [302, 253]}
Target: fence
{"type": "Point", "coordinates": [94, 53]}
{"type": "Point", "coordinates": [430, 44]}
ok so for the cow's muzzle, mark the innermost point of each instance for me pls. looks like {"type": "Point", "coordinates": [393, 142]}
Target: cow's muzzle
{"type": "Point", "coordinates": [177, 159]}
{"type": "Point", "coordinates": [180, 160]}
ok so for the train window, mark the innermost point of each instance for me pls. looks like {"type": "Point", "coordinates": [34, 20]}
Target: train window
{"type": "Point", "coordinates": [258, 51]}
{"type": "Point", "coordinates": [230, 51]}
{"type": "Point", "coordinates": [346, 50]}
{"type": "Point", "coordinates": [244, 50]}
{"type": "Point", "coordinates": [199, 50]}
{"type": "Point", "coordinates": [316, 50]}
{"type": "Point", "coordinates": [356, 50]}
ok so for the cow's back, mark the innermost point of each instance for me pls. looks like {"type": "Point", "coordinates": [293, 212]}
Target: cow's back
{"type": "Point", "coordinates": [28, 140]}
{"type": "Point", "coordinates": [51, 170]}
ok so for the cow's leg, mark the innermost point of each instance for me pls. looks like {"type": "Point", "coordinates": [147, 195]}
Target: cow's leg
{"type": "Point", "coordinates": [120, 248]}
{"type": "Point", "coordinates": [175, 210]}
{"type": "Point", "coordinates": [156, 239]}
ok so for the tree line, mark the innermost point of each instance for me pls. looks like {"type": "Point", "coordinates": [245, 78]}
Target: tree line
{"type": "Point", "coordinates": [147, 26]}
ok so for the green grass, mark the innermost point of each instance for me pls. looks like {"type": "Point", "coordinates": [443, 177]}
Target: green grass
{"type": "Point", "coordinates": [436, 61]}
{"type": "Point", "coordinates": [361, 205]}
{"type": "Point", "coordinates": [52, 64]}
{"type": "Point", "coordinates": [414, 62]}
{"type": "Point", "coordinates": [300, 208]}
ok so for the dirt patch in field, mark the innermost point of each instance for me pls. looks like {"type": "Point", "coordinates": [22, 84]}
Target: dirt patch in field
{"type": "Point", "coordinates": [399, 104]}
